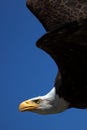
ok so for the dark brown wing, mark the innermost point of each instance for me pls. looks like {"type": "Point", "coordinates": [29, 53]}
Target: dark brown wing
{"type": "Point", "coordinates": [53, 12]}
{"type": "Point", "coordinates": [67, 45]}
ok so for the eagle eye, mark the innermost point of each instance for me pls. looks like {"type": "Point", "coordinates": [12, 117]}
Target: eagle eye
{"type": "Point", "coordinates": [37, 101]}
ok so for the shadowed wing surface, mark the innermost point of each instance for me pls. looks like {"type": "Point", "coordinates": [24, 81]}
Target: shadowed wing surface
{"type": "Point", "coordinates": [67, 45]}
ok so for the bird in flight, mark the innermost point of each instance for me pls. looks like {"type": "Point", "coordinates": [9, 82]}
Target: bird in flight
{"type": "Point", "coordinates": [66, 42]}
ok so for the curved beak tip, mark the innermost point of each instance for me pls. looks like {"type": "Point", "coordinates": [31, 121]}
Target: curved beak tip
{"type": "Point", "coordinates": [24, 106]}
{"type": "Point", "coordinates": [27, 106]}
{"type": "Point", "coordinates": [21, 106]}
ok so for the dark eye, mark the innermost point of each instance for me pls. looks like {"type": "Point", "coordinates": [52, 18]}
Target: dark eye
{"type": "Point", "coordinates": [37, 101]}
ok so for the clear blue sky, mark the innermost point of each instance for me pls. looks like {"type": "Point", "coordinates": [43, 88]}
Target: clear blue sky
{"type": "Point", "coordinates": [26, 71]}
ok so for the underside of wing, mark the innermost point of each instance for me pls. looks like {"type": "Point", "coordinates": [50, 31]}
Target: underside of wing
{"type": "Point", "coordinates": [67, 45]}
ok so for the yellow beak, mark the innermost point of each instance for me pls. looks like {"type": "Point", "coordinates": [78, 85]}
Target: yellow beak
{"type": "Point", "coordinates": [27, 106]}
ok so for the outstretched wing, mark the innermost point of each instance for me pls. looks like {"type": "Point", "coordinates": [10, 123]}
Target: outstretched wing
{"type": "Point", "coordinates": [67, 45]}
{"type": "Point", "coordinates": [53, 12]}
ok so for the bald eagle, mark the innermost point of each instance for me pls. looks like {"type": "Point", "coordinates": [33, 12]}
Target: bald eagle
{"type": "Point", "coordinates": [66, 42]}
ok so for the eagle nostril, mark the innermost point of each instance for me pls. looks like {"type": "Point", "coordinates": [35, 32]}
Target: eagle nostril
{"type": "Point", "coordinates": [27, 102]}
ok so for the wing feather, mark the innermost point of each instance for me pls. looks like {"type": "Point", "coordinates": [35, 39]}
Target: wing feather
{"type": "Point", "coordinates": [67, 45]}
{"type": "Point", "coordinates": [53, 12]}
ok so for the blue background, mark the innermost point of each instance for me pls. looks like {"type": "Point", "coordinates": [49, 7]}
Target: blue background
{"type": "Point", "coordinates": [26, 72]}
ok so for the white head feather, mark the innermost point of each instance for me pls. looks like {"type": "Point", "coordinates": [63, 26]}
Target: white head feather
{"type": "Point", "coordinates": [49, 104]}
